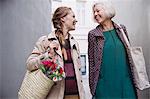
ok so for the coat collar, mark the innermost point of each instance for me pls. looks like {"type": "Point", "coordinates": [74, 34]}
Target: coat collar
{"type": "Point", "coordinates": [73, 42]}
{"type": "Point", "coordinates": [53, 36]}
{"type": "Point", "coordinates": [99, 30]}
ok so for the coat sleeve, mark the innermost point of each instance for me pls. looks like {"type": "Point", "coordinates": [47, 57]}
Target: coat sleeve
{"type": "Point", "coordinates": [91, 61]}
{"type": "Point", "coordinates": [39, 52]}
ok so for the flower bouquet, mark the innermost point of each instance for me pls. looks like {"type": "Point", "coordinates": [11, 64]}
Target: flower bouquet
{"type": "Point", "coordinates": [52, 70]}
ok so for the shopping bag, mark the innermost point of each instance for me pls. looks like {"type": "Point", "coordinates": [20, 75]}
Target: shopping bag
{"type": "Point", "coordinates": [139, 68]}
{"type": "Point", "coordinates": [35, 85]}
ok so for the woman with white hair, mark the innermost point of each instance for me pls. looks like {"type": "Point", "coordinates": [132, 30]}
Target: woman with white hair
{"type": "Point", "coordinates": [110, 65]}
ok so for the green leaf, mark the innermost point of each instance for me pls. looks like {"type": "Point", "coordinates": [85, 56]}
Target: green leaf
{"type": "Point", "coordinates": [43, 69]}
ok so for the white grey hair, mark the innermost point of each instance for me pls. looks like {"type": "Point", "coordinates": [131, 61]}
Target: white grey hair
{"type": "Point", "coordinates": [107, 6]}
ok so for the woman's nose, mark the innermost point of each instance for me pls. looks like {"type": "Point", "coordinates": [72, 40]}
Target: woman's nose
{"type": "Point", "coordinates": [76, 21]}
{"type": "Point", "coordinates": [95, 13]}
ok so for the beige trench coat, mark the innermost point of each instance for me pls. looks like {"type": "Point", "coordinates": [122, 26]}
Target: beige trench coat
{"type": "Point", "coordinates": [39, 51]}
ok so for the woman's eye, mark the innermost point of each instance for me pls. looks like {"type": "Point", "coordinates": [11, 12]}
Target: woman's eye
{"type": "Point", "coordinates": [98, 11]}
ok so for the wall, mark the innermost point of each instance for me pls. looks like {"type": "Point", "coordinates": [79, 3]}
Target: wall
{"type": "Point", "coordinates": [23, 22]}
{"type": "Point", "coordinates": [0, 49]}
{"type": "Point", "coordinates": [148, 43]}
{"type": "Point", "coordinates": [148, 34]}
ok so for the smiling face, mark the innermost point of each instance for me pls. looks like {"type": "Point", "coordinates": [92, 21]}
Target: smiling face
{"type": "Point", "coordinates": [99, 14]}
{"type": "Point", "coordinates": [69, 21]}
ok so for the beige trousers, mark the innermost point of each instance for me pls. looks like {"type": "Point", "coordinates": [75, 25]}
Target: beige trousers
{"type": "Point", "coordinates": [71, 97]}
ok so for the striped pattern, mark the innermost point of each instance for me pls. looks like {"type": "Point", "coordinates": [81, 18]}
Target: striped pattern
{"type": "Point", "coordinates": [35, 86]}
{"type": "Point", "coordinates": [95, 53]}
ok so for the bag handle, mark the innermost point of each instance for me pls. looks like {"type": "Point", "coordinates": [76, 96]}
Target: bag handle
{"type": "Point", "coordinates": [124, 36]}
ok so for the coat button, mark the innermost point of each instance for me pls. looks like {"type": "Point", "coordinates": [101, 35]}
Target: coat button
{"type": "Point", "coordinates": [81, 81]}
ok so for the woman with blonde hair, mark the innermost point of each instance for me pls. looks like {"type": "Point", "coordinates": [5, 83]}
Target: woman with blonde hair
{"type": "Point", "coordinates": [110, 65]}
{"type": "Point", "coordinates": [60, 42]}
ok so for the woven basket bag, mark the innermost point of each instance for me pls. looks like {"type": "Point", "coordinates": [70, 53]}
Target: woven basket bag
{"type": "Point", "coordinates": [35, 85]}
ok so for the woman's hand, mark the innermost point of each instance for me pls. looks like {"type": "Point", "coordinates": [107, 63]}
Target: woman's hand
{"type": "Point", "coordinates": [53, 46]}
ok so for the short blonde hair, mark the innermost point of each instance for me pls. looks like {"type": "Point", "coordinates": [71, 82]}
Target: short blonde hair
{"type": "Point", "coordinates": [108, 8]}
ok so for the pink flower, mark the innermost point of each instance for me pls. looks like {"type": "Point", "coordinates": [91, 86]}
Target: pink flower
{"type": "Point", "coordinates": [52, 70]}
{"type": "Point", "coordinates": [61, 70]}
{"type": "Point", "coordinates": [47, 63]}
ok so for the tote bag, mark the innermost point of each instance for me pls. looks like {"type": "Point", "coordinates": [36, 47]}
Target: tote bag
{"type": "Point", "coordinates": [139, 68]}
{"type": "Point", "coordinates": [35, 85]}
